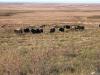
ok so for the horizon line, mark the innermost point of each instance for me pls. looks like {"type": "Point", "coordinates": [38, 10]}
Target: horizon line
{"type": "Point", "coordinates": [56, 2]}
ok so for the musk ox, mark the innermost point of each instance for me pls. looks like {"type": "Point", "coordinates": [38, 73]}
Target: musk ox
{"type": "Point", "coordinates": [18, 30]}
{"type": "Point", "coordinates": [67, 26]}
{"type": "Point", "coordinates": [33, 31]}
{"type": "Point", "coordinates": [99, 25]}
{"type": "Point", "coordinates": [52, 30]}
{"type": "Point", "coordinates": [41, 30]}
{"type": "Point", "coordinates": [36, 30]}
{"type": "Point", "coordinates": [61, 29]}
{"type": "Point", "coordinates": [79, 27]}
{"type": "Point", "coordinates": [26, 30]}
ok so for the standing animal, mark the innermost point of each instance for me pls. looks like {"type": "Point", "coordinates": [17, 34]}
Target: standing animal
{"type": "Point", "coordinates": [41, 30]}
{"type": "Point", "coordinates": [36, 30]}
{"type": "Point", "coordinates": [99, 25]}
{"type": "Point", "coordinates": [79, 27]}
{"type": "Point", "coordinates": [52, 30]}
{"type": "Point", "coordinates": [61, 29]}
{"type": "Point", "coordinates": [33, 31]}
{"type": "Point", "coordinates": [67, 26]}
{"type": "Point", "coordinates": [26, 30]}
{"type": "Point", "coordinates": [18, 31]}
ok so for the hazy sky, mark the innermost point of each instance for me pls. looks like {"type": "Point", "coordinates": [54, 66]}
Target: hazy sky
{"type": "Point", "coordinates": [54, 1]}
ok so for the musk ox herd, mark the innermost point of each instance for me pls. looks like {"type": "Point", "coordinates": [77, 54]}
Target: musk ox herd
{"type": "Point", "coordinates": [41, 29]}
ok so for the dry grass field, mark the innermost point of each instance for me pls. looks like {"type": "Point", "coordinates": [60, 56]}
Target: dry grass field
{"type": "Point", "coordinates": [59, 53]}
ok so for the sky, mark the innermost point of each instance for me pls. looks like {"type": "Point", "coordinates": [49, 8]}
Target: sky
{"type": "Point", "coordinates": [54, 1]}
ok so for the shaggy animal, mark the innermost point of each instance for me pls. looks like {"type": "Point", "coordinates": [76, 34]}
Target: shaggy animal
{"type": "Point", "coordinates": [67, 26]}
{"type": "Point", "coordinates": [52, 30]}
{"type": "Point", "coordinates": [18, 31]}
{"type": "Point", "coordinates": [79, 27]}
{"type": "Point", "coordinates": [99, 25]}
{"type": "Point", "coordinates": [41, 30]}
{"type": "Point", "coordinates": [26, 30]}
{"type": "Point", "coordinates": [61, 29]}
{"type": "Point", "coordinates": [37, 30]}
{"type": "Point", "coordinates": [33, 31]}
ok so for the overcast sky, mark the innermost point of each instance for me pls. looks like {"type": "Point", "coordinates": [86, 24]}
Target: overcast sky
{"type": "Point", "coordinates": [54, 1]}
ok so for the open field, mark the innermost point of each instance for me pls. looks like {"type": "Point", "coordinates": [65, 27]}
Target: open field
{"type": "Point", "coordinates": [59, 53]}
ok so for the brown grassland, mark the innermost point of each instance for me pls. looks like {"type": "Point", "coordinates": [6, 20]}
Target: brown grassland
{"type": "Point", "coordinates": [67, 53]}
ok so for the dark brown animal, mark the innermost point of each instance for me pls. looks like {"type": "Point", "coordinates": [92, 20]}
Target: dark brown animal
{"type": "Point", "coordinates": [52, 30]}
{"type": "Point", "coordinates": [99, 25]}
{"type": "Point", "coordinates": [26, 30]}
{"type": "Point", "coordinates": [61, 29]}
{"type": "Point", "coordinates": [36, 30]}
{"type": "Point", "coordinates": [41, 30]}
{"type": "Point", "coordinates": [18, 31]}
{"type": "Point", "coordinates": [79, 27]}
{"type": "Point", "coordinates": [67, 26]}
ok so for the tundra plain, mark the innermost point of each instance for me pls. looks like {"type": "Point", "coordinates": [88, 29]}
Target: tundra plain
{"type": "Point", "coordinates": [59, 53]}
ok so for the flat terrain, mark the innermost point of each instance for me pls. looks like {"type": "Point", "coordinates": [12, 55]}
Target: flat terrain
{"type": "Point", "coordinates": [60, 53]}
{"type": "Point", "coordinates": [49, 13]}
